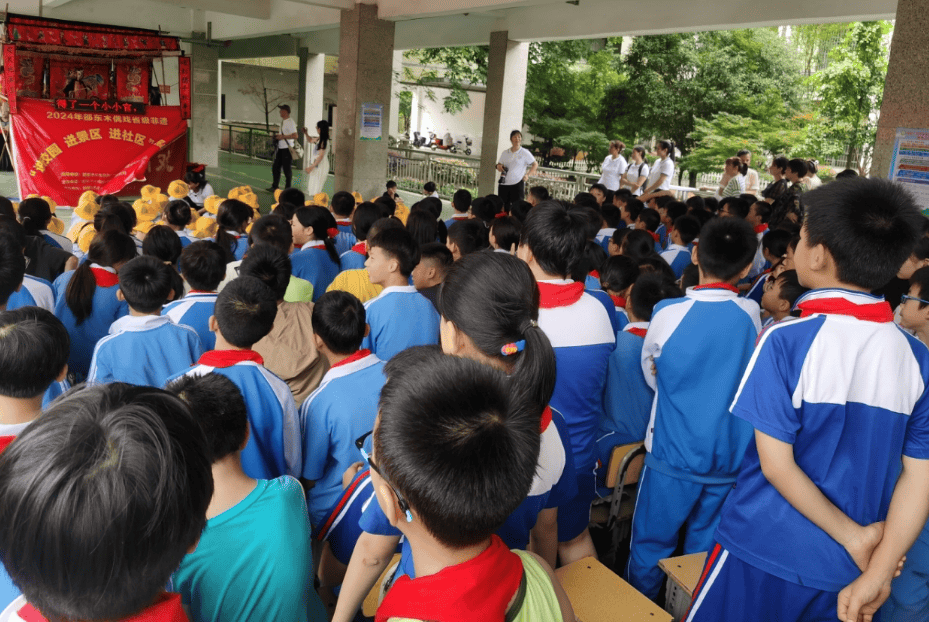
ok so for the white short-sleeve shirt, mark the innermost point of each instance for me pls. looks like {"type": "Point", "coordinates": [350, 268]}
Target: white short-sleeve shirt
{"type": "Point", "coordinates": [661, 167]}
{"type": "Point", "coordinates": [611, 171]}
{"type": "Point", "coordinates": [634, 171]}
{"type": "Point", "coordinates": [517, 164]}
{"type": "Point", "coordinates": [288, 126]}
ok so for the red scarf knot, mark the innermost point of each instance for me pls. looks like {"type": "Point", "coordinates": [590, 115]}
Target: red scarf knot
{"type": "Point", "coordinates": [105, 278]}
{"type": "Point", "coordinates": [228, 358]}
{"type": "Point", "coordinates": [761, 228]}
{"type": "Point", "coordinates": [361, 248]}
{"type": "Point", "coordinates": [297, 246]}
{"type": "Point", "coordinates": [546, 418]}
{"type": "Point", "coordinates": [726, 286]}
{"type": "Point", "coordinates": [619, 302]}
{"type": "Point", "coordinates": [654, 235]}
{"type": "Point", "coordinates": [357, 356]}
{"type": "Point", "coordinates": [501, 215]}
{"type": "Point", "coordinates": [869, 312]}
{"type": "Point", "coordinates": [478, 589]}
{"type": "Point", "coordinates": [640, 332]}
{"type": "Point", "coordinates": [332, 232]}
{"type": "Point", "coordinates": [559, 294]}
{"type": "Point", "coordinates": [595, 274]}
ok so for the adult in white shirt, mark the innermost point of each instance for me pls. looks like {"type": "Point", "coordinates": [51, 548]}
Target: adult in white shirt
{"type": "Point", "coordinates": [613, 166]}
{"type": "Point", "coordinates": [318, 167]}
{"type": "Point", "coordinates": [282, 158]}
{"type": "Point", "coordinates": [659, 178]}
{"type": "Point", "coordinates": [752, 182]}
{"type": "Point", "coordinates": [517, 165]}
{"type": "Point", "coordinates": [199, 187]}
{"type": "Point", "coordinates": [636, 171]}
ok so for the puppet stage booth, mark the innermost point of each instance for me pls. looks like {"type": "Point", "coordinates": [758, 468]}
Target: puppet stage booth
{"type": "Point", "coordinates": [85, 113]}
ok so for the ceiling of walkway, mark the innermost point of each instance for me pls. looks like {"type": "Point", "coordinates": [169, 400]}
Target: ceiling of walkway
{"type": "Point", "coordinates": [430, 23]}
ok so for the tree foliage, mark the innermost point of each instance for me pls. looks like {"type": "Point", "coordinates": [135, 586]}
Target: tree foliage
{"type": "Point", "coordinates": [458, 67]}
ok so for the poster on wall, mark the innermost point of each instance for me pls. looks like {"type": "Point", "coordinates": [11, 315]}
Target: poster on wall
{"type": "Point", "coordinates": [909, 164]}
{"type": "Point", "coordinates": [371, 121]}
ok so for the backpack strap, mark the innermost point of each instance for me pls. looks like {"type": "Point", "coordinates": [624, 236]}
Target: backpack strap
{"type": "Point", "coordinates": [518, 600]}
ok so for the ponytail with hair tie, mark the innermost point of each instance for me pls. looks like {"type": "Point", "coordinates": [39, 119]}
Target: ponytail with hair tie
{"type": "Point", "coordinates": [332, 232]}
{"type": "Point", "coordinates": [513, 348]}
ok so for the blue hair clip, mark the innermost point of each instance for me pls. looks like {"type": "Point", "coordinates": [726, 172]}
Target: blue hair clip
{"type": "Point", "coordinates": [513, 348]}
{"type": "Point", "coordinates": [409, 516]}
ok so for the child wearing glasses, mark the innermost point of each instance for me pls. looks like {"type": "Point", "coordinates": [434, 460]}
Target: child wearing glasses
{"type": "Point", "coordinates": [253, 559]}
{"type": "Point", "coordinates": [454, 454]}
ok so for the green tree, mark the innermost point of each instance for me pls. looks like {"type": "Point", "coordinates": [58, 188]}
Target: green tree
{"type": "Point", "coordinates": [452, 68]}
{"type": "Point", "coordinates": [850, 89]}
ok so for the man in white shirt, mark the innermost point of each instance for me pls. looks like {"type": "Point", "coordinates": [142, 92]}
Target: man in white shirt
{"type": "Point", "coordinates": [285, 140]}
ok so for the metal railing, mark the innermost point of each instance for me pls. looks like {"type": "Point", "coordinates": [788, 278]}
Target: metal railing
{"type": "Point", "coordinates": [257, 142]}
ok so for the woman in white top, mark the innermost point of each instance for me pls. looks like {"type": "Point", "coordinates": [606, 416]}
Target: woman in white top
{"type": "Point", "coordinates": [636, 171]}
{"type": "Point", "coordinates": [513, 163]}
{"type": "Point", "coordinates": [613, 166]}
{"type": "Point", "coordinates": [659, 178]}
{"type": "Point", "coordinates": [199, 187]}
{"type": "Point", "coordinates": [319, 163]}
{"type": "Point", "coordinates": [732, 183]}
{"type": "Point", "coordinates": [812, 180]}
{"type": "Point", "coordinates": [752, 182]}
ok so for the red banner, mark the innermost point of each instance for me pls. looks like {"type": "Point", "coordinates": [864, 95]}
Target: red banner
{"type": "Point", "coordinates": [132, 82]}
{"type": "Point", "coordinates": [61, 154]}
{"type": "Point", "coordinates": [183, 77]}
{"type": "Point", "coordinates": [43, 33]}
{"type": "Point", "coordinates": [9, 76]}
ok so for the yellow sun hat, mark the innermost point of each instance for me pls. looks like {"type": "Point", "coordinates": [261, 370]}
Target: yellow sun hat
{"type": "Point", "coordinates": [56, 226]}
{"type": "Point", "coordinates": [149, 190]}
{"type": "Point", "coordinates": [160, 201]}
{"type": "Point", "coordinates": [178, 189]}
{"type": "Point", "coordinates": [85, 238]}
{"type": "Point", "coordinates": [277, 194]}
{"type": "Point", "coordinates": [321, 199]}
{"type": "Point", "coordinates": [144, 226]}
{"type": "Point", "coordinates": [89, 195]}
{"type": "Point", "coordinates": [145, 211]}
{"type": "Point", "coordinates": [358, 198]}
{"type": "Point", "coordinates": [205, 227]}
{"type": "Point", "coordinates": [211, 203]}
{"type": "Point", "coordinates": [250, 199]}
{"type": "Point", "coordinates": [87, 208]}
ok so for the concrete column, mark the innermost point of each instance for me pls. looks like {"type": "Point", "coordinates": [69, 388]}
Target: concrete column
{"type": "Point", "coordinates": [204, 135]}
{"type": "Point", "coordinates": [416, 112]}
{"type": "Point", "coordinates": [310, 87]}
{"type": "Point", "coordinates": [397, 75]}
{"type": "Point", "coordinates": [503, 106]}
{"type": "Point", "coordinates": [366, 46]}
{"type": "Point", "coordinates": [906, 89]}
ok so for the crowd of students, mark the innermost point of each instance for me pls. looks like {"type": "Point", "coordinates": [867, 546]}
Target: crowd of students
{"type": "Point", "coordinates": [259, 411]}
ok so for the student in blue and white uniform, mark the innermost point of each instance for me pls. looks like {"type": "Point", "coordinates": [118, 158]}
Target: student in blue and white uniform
{"type": "Point", "coordinates": [344, 405]}
{"type": "Point", "coordinates": [661, 173]}
{"type": "Point", "coordinates": [244, 314]}
{"type": "Point", "coordinates": [177, 216]}
{"type": "Point", "coordinates": [686, 230]}
{"type": "Point", "coordinates": [144, 347]}
{"type": "Point", "coordinates": [365, 215]}
{"type": "Point", "coordinates": [35, 214]}
{"type": "Point", "coordinates": [343, 205]}
{"type": "Point", "coordinates": [694, 446]}
{"type": "Point", "coordinates": [461, 203]}
{"type": "Point", "coordinates": [203, 267]}
{"type": "Point", "coordinates": [317, 260]}
{"type": "Point", "coordinates": [85, 299]}
{"type": "Point", "coordinates": [580, 331]}
{"type": "Point", "coordinates": [34, 292]}
{"type": "Point", "coordinates": [399, 317]}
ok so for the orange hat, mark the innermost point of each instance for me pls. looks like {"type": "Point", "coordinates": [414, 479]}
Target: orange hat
{"type": "Point", "coordinates": [85, 238]}
{"type": "Point", "coordinates": [160, 201]}
{"type": "Point", "coordinates": [277, 194]}
{"type": "Point", "coordinates": [56, 226]}
{"type": "Point", "coordinates": [358, 198]}
{"type": "Point", "coordinates": [149, 190]}
{"type": "Point", "coordinates": [321, 199]}
{"type": "Point", "coordinates": [89, 195]}
{"type": "Point", "coordinates": [87, 208]}
{"type": "Point", "coordinates": [250, 199]}
{"type": "Point", "coordinates": [144, 226]}
{"type": "Point", "coordinates": [145, 211]}
{"type": "Point", "coordinates": [178, 189]}
{"type": "Point", "coordinates": [211, 203]}
{"type": "Point", "coordinates": [205, 227]}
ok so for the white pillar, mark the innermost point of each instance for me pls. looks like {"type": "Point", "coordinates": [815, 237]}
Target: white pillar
{"type": "Point", "coordinates": [416, 114]}
{"type": "Point", "coordinates": [204, 135]}
{"type": "Point", "coordinates": [310, 90]}
{"type": "Point", "coordinates": [395, 94]}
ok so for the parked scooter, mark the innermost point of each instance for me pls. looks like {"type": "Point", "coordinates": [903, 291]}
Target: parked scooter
{"type": "Point", "coordinates": [466, 147]}
{"type": "Point", "coordinates": [418, 140]}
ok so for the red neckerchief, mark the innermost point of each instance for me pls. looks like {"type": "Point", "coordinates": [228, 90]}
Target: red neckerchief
{"type": "Point", "coordinates": [869, 312]}
{"type": "Point", "coordinates": [6, 440]}
{"type": "Point", "coordinates": [344, 223]}
{"type": "Point", "coordinates": [478, 589]}
{"type": "Point", "coordinates": [461, 216]}
{"type": "Point", "coordinates": [297, 246]}
{"type": "Point", "coordinates": [105, 278]}
{"type": "Point", "coordinates": [546, 418]}
{"type": "Point", "coordinates": [640, 332]}
{"type": "Point", "coordinates": [654, 235]}
{"type": "Point", "coordinates": [167, 608]}
{"type": "Point", "coordinates": [228, 358]}
{"type": "Point", "coordinates": [360, 248]}
{"type": "Point", "coordinates": [761, 228]}
{"type": "Point", "coordinates": [559, 294]}
{"type": "Point", "coordinates": [200, 291]}
{"type": "Point", "coordinates": [333, 232]}
{"type": "Point", "coordinates": [619, 301]}
{"type": "Point", "coordinates": [595, 274]}
{"type": "Point", "coordinates": [357, 356]}
{"type": "Point", "coordinates": [731, 288]}
{"type": "Point", "coordinates": [501, 215]}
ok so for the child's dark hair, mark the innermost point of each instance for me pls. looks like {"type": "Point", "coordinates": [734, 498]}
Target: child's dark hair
{"type": "Point", "coordinates": [456, 442]}
{"type": "Point", "coordinates": [34, 215]}
{"type": "Point", "coordinates": [736, 206]}
{"type": "Point", "coordinates": [649, 290]}
{"type": "Point", "coordinates": [556, 238]}
{"type": "Point", "coordinates": [439, 255]}
{"type": "Point", "coordinates": [598, 186]}
{"type": "Point", "coordinates": [846, 174]}
{"type": "Point", "coordinates": [178, 214]}
{"type": "Point", "coordinates": [651, 218]}
{"type": "Point", "coordinates": [711, 204]}
{"type": "Point", "coordinates": [506, 232]}
{"type": "Point", "coordinates": [34, 348]}
{"type": "Point", "coordinates": [921, 249]}
{"type": "Point", "coordinates": [429, 187]}
{"type": "Point", "coordinates": [592, 221]}
{"type": "Point", "coordinates": [343, 203]}
{"type": "Point", "coordinates": [688, 227]}
{"type": "Point", "coordinates": [366, 214]}
{"type": "Point", "coordinates": [270, 265]}
{"type": "Point", "coordinates": [12, 266]}
{"type": "Point", "coordinates": [593, 259]}
{"type": "Point", "coordinates": [162, 243]}
{"type": "Point", "coordinates": [763, 210]}
{"type": "Point", "coordinates": [611, 215]}
{"type": "Point", "coordinates": [618, 273]}
{"type": "Point", "coordinates": [105, 465]}
{"type": "Point", "coordinates": [387, 205]}
{"type": "Point", "coordinates": [540, 193]}
{"type": "Point", "coordinates": [485, 210]}
{"type": "Point", "coordinates": [695, 202]}
{"type": "Point", "coordinates": [339, 320]}
{"type": "Point", "coordinates": [798, 167]}
{"type": "Point", "coordinates": [220, 410]}
{"type": "Point", "coordinates": [619, 235]}
{"type": "Point", "coordinates": [107, 249]}
{"type": "Point", "coordinates": [638, 244]}
{"type": "Point", "coordinates": [461, 201]}
{"type": "Point", "coordinates": [390, 184]}
{"type": "Point", "coordinates": [273, 231]}
{"type": "Point", "coordinates": [674, 210]}
{"type": "Point", "coordinates": [663, 200]}
{"type": "Point", "coordinates": [791, 289]}
{"type": "Point", "coordinates": [690, 276]}
{"type": "Point", "coordinates": [585, 199]}
{"type": "Point", "coordinates": [203, 265]}
{"type": "Point", "coordinates": [422, 226]}
{"type": "Point", "coordinates": [6, 209]}
{"type": "Point", "coordinates": [232, 215]}
{"type": "Point", "coordinates": [920, 279]}
{"type": "Point", "coordinates": [520, 210]}
{"type": "Point", "coordinates": [653, 264]}
{"type": "Point", "coordinates": [245, 311]}
{"type": "Point", "coordinates": [145, 283]}
{"type": "Point", "coordinates": [776, 242]}
{"type": "Point", "coordinates": [292, 196]}
{"type": "Point", "coordinates": [469, 235]}
{"type": "Point", "coordinates": [727, 246]}
{"type": "Point", "coordinates": [320, 220]}
{"type": "Point", "coordinates": [384, 224]}
{"type": "Point", "coordinates": [869, 226]}
{"type": "Point", "coordinates": [397, 244]}
{"type": "Point", "coordinates": [284, 210]}
{"type": "Point", "coordinates": [115, 216]}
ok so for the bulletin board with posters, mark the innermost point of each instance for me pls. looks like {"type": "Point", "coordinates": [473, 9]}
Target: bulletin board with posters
{"type": "Point", "coordinates": [84, 113]}
{"type": "Point", "coordinates": [909, 164]}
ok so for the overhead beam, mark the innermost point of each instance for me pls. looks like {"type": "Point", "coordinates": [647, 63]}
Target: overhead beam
{"type": "Point", "coordinates": [345, 5]}
{"type": "Point", "coordinates": [257, 9]}
{"type": "Point", "coordinates": [260, 47]}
